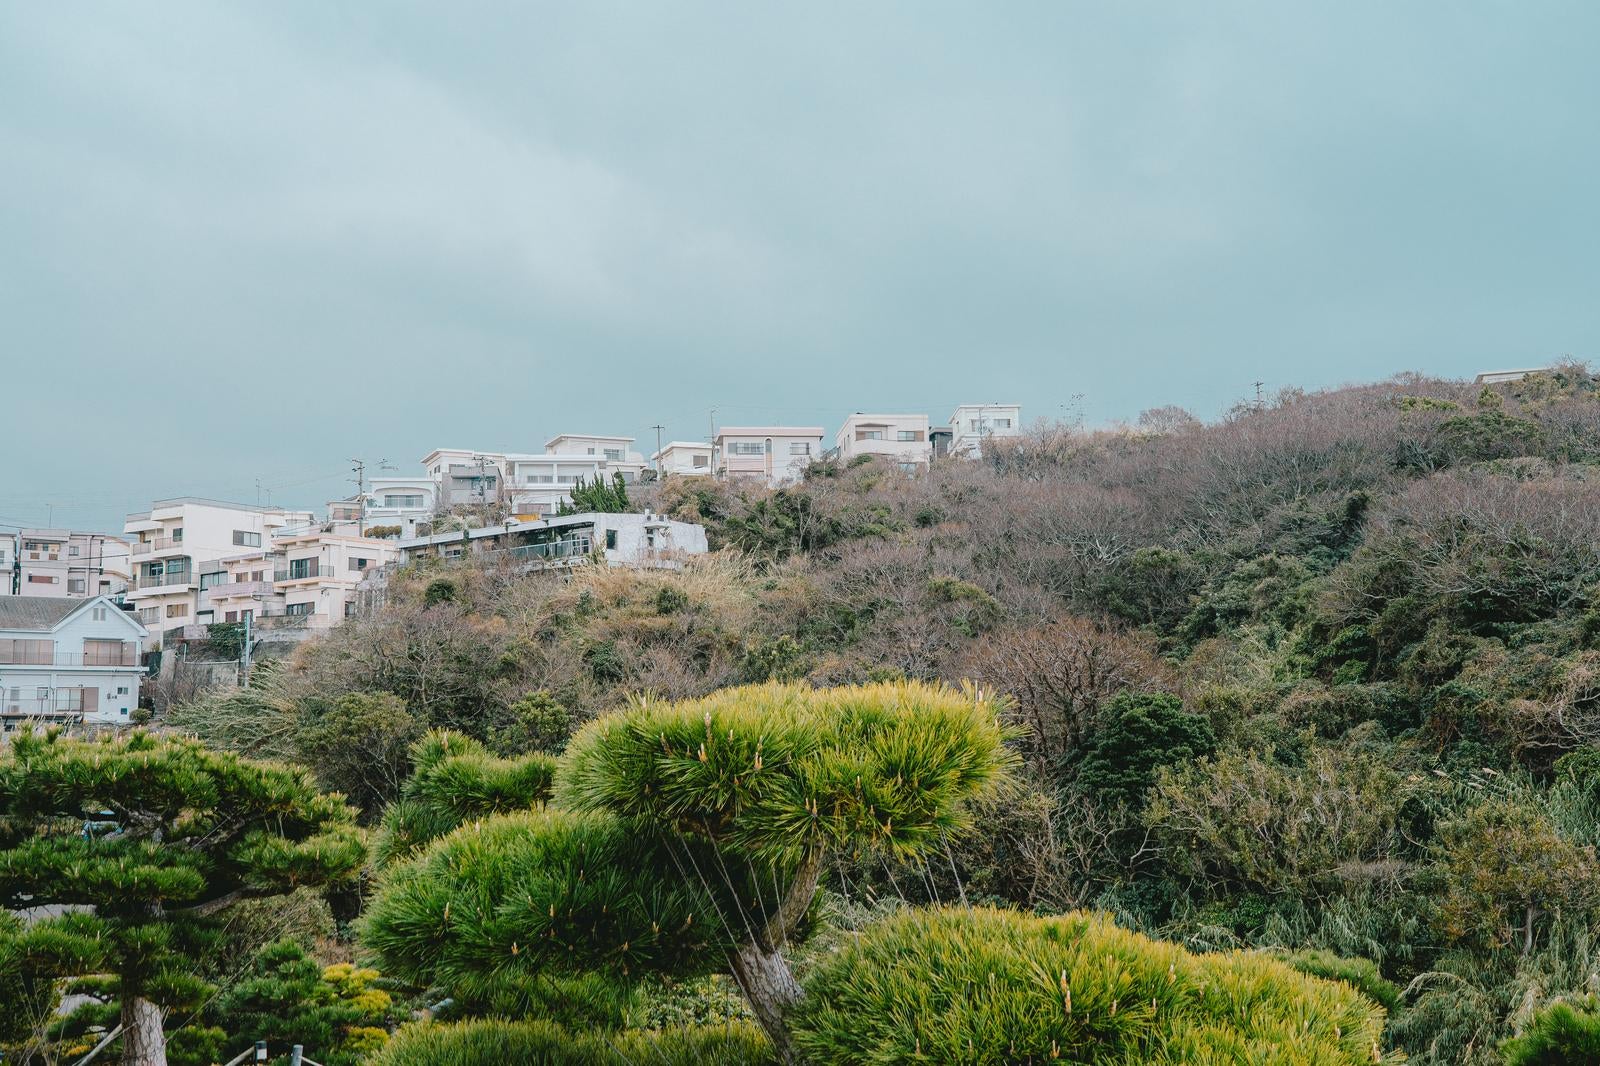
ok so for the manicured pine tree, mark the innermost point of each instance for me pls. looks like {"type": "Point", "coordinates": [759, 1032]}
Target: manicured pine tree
{"type": "Point", "coordinates": [123, 854]}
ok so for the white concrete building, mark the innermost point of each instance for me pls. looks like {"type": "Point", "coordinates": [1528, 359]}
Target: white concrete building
{"type": "Point", "coordinates": [617, 452]}
{"type": "Point", "coordinates": [316, 573]}
{"type": "Point", "coordinates": [401, 501]}
{"type": "Point", "coordinates": [540, 484]}
{"type": "Point", "coordinates": [63, 563]}
{"type": "Point", "coordinates": [775, 454]}
{"type": "Point", "coordinates": [244, 587]}
{"type": "Point", "coordinates": [630, 540]}
{"type": "Point", "coordinates": [974, 423]}
{"type": "Point", "coordinates": [68, 661]}
{"type": "Point", "coordinates": [179, 541]}
{"type": "Point", "coordinates": [683, 458]}
{"type": "Point", "coordinates": [900, 439]}
{"type": "Point", "coordinates": [464, 478]}
{"type": "Point", "coordinates": [1499, 377]}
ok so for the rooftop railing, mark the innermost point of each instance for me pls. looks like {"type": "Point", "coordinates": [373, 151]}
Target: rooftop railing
{"type": "Point", "coordinates": [305, 573]}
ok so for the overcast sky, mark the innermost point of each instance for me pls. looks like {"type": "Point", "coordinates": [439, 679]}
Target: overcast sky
{"type": "Point", "coordinates": [241, 243]}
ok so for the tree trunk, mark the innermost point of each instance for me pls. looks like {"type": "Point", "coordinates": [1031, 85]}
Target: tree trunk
{"type": "Point", "coordinates": [763, 973]}
{"type": "Point", "coordinates": [769, 986]}
{"type": "Point", "coordinates": [143, 1042]}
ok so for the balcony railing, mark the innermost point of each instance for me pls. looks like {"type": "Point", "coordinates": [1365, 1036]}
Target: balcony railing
{"type": "Point", "coordinates": [149, 581]}
{"type": "Point", "coordinates": [241, 588]}
{"type": "Point", "coordinates": [141, 547]}
{"type": "Point", "coordinates": [303, 574]}
{"type": "Point", "coordinates": [127, 655]}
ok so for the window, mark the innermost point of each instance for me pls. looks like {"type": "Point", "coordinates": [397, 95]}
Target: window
{"type": "Point", "coordinates": [42, 692]}
{"type": "Point", "coordinates": [101, 652]}
{"type": "Point", "coordinates": [99, 614]}
{"type": "Point", "coordinates": [360, 564]}
{"type": "Point", "coordinates": [230, 616]}
{"type": "Point", "coordinates": [701, 462]}
{"type": "Point", "coordinates": [76, 586]}
{"type": "Point", "coordinates": [245, 538]}
{"type": "Point", "coordinates": [124, 712]}
{"type": "Point", "coordinates": [149, 614]}
{"type": "Point", "coordinates": [41, 579]}
{"type": "Point", "coordinates": [403, 499]}
{"type": "Point", "coordinates": [16, 692]}
{"type": "Point", "coordinates": [177, 534]}
{"type": "Point", "coordinates": [611, 538]}
{"type": "Point", "coordinates": [746, 447]}
{"type": "Point", "coordinates": [538, 479]}
{"type": "Point", "coordinates": [27, 652]}
{"type": "Point", "coordinates": [613, 454]}
{"type": "Point", "coordinates": [299, 568]}
{"type": "Point", "coordinates": [218, 577]}
{"type": "Point", "coordinates": [799, 447]}
{"type": "Point", "coordinates": [908, 468]}
{"type": "Point", "coordinates": [350, 609]}
{"type": "Point", "coordinates": [122, 690]}
{"type": "Point", "coordinates": [177, 610]}
{"type": "Point", "coordinates": [869, 434]}
{"type": "Point", "coordinates": [588, 451]}
{"type": "Point", "coordinates": [908, 434]}
{"type": "Point", "coordinates": [298, 610]}
{"type": "Point", "coordinates": [72, 549]}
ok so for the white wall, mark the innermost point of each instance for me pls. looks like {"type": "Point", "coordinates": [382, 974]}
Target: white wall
{"type": "Point", "coordinates": [68, 672]}
{"type": "Point", "coordinates": [852, 439]}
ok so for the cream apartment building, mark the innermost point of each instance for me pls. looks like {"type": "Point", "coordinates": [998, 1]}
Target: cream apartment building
{"type": "Point", "coordinates": [900, 439]}
{"type": "Point", "coordinates": [177, 541]}
{"type": "Point", "coordinates": [776, 454]}
{"type": "Point", "coordinates": [683, 458]}
{"type": "Point", "coordinates": [974, 423]}
{"type": "Point", "coordinates": [63, 563]}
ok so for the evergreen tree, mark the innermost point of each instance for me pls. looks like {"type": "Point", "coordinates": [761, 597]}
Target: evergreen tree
{"type": "Point", "coordinates": [597, 496]}
{"type": "Point", "coordinates": [125, 853]}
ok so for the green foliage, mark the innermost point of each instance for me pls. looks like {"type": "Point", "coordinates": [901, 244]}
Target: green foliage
{"type": "Point", "coordinates": [1138, 734]}
{"type": "Point", "coordinates": [781, 658]}
{"type": "Point", "coordinates": [141, 843]}
{"type": "Point", "coordinates": [455, 780]}
{"type": "Point", "coordinates": [358, 744]}
{"type": "Point", "coordinates": [440, 590]}
{"type": "Point", "coordinates": [383, 532]}
{"type": "Point", "coordinates": [226, 639]}
{"type": "Point", "coordinates": [777, 770]}
{"type": "Point", "coordinates": [598, 496]}
{"type": "Point", "coordinates": [970, 609]}
{"type": "Point", "coordinates": [1242, 821]}
{"type": "Point", "coordinates": [992, 986]}
{"type": "Point", "coordinates": [537, 722]}
{"type": "Point", "coordinates": [1489, 434]}
{"type": "Point", "coordinates": [1360, 974]}
{"type": "Point", "coordinates": [540, 1043]}
{"type": "Point", "coordinates": [1561, 1034]}
{"type": "Point", "coordinates": [287, 997]}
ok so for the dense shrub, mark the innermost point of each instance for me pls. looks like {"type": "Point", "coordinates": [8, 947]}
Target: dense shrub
{"type": "Point", "coordinates": [537, 1043]}
{"type": "Point", "coordinates": [1562, 1034]}
{"type": "Point", "coordinates": [990, 986]}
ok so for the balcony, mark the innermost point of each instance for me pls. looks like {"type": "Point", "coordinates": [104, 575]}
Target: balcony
{"type": "Point", "coordinates": [121, 658]}
{"type": "Point", "coordinates": [304, 573]}
{"type": "Point", "coordinates": [161, 544]}
{"type": "Point", "coordinates": [141, 547]}
{"type": "Point", "coordinates": [147, 581]}
{"type": "Point", "coordinates": [241, 588]}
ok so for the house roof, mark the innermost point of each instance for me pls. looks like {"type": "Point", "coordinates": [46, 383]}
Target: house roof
{"type": "Point", "coordinates": [35, 612]}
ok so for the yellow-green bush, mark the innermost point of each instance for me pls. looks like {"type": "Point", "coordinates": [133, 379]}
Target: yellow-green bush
{"type": "Point", "coordinates": [481, 1043]}
{"type": "Point", "coordinates": [994, 986]}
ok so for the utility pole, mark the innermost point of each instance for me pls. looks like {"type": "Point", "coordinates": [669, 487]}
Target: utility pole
{"type": "Point", "coordinates": [359, 468]}
{"type": "Point", "coordinates": [244, 654]}
{"type": "Point", "coordinates": [1259, 402]}
{"type": "Point", "coordinates": [712, 440]}
{"type": "Point", "coordinates": [658, 428]}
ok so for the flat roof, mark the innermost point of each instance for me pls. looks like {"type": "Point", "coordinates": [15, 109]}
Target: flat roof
{"type": "Point", "coordinates": [770, 431]}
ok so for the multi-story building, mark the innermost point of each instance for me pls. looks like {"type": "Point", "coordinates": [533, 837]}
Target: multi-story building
{"type": "Point", "coordinates": [540, 484]}
{"type": "Point", "coordinates": [180, 542]}
{"type": "Point", "coordinates": [900, 439]}
{"type": "Point", "coordinates": [68, 661]}
{"type": "Point", "coordinates": [401, 501]}
{"type": "Point", "coordinates": [617, 452]}
{"type": "Point", "coordinates": [317, 571]}
{"type": "Point", "coordinates": [776, 454]}
{"type": "Point", "coordinates": [63, 563]}
{"type": "Point", "coordinates": [244, 587]}
{"type": "Point", "coordinates": [631, 540]}
{"type": "Point", "coordinates": [464, 478]}
{"type": "Point", "coordinates": [682, 458]}
{"type": "Point", "coordinates": [974, 423]}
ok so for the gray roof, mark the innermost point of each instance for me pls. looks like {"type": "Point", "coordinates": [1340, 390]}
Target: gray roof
{"type": "Point", "coordinates": [35, 612]}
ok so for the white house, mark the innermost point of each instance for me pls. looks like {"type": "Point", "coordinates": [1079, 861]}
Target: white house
{"type": "Point", "coordinates": [776, 454]}
{"type": "Point", "coordinates": [177, 547]}
{"type": "Point", "coordinates": [974, 423]}
{"type": "Point", "coordinates": [316, 572]}
{"type": "Point", "coordinates": [465, 478]}
{"type": "Point", "coordinates": [63, 563]}
{"type": "Point", "coordinates": [617, 452]}
{"type": "Point", "coordinates": [901, 439]}
{"type": "Point", "coordinates": [683, 458]}
{"type": "Point", "coordinates": [1498, 377]}
{"type": "Point", "coordinates": [401, 501]}
{"type": "Point", "coordinates": [68, 661]}
{"type": "Point", "coordinates": [540, 484]}
{"type": "Point", "coordinates": [649, 541]}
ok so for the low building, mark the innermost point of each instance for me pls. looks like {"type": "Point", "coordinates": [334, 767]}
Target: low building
{"type": "Point", "coordinates": [1496, 377]}
{"type": "Point", "coordinates": [464, 478]}
{"type": "Point", "coordinates": [63, 564]}
{"type": "Point", "coordinates": [646, 541]}
{"type": "Point", "coordinates": [243, 588]}
{"type": "Point", "coordinates": [899, 439]}
{"type": "Point", "coordinates": [775, 454]}
{"type": "Point", "coordinates": [540, 484]}
{"type": "Point", "coordinates": [316, 572]}
{"type": "Point", "coordinates": [683, 458]}
{"type": "Point", "coordinates": [68, 661]}
{"type": "Point", "coordinates": [973, 424]}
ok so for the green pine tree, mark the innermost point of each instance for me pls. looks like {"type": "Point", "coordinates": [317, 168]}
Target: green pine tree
{"type": "Point", "coordinates": [125, 854]}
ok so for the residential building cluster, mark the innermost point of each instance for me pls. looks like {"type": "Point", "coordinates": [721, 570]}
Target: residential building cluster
{"type": "Point", "coordinates": [79, 611]}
